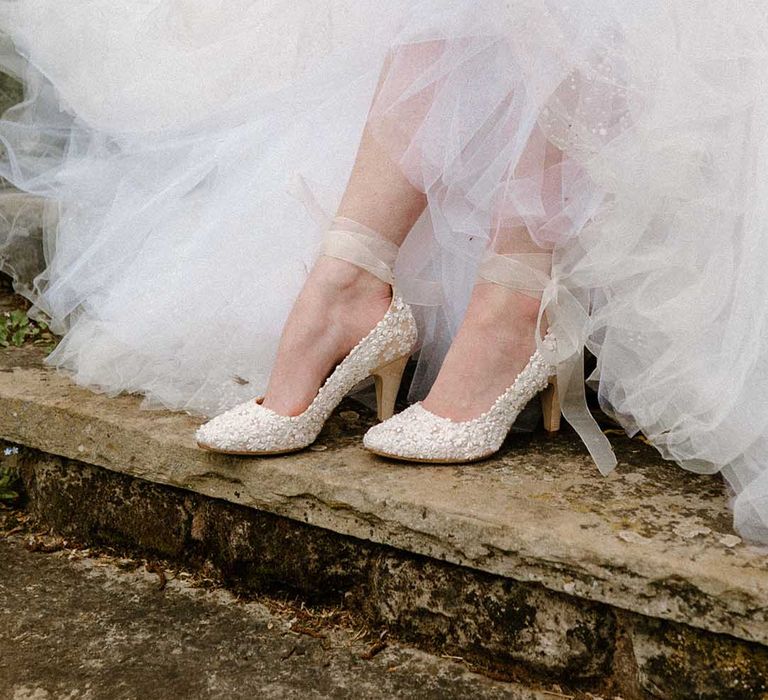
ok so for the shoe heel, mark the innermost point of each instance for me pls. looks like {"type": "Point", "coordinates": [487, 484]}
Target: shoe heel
{"type": "Point", "coordinates": [387, 380]}
{"type": "Point", "coordinates": [550, 407]}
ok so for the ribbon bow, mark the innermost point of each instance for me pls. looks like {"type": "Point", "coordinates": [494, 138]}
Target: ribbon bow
{"type": "Point", "coordinates": [569, 322]}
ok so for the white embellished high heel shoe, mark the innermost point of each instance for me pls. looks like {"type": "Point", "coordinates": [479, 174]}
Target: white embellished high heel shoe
{"type": "Point", "coordinates": [418, 435]}
{"type": "Point", "coordinates": [251, 429]}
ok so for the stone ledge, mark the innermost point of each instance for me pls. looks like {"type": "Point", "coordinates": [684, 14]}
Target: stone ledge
{"type": "Point", "coordinates": [650, 538]}
{"type": "Point", "coordinates": [517, 631]}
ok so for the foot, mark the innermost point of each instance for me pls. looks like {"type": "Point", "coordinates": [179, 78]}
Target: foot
{"type": "Point", "coordinates": [338, 306]}
{"type": "Point", "coordinates": [494, 343]}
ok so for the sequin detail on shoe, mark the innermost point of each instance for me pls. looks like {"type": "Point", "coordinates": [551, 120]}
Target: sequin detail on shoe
{"type": "Point", "coordinates": [419, 435]}
{"type": "Point", "coordinates": [251, 428]}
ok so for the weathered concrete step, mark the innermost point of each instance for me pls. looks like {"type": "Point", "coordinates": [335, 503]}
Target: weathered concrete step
{"type": "Point", "coordinates": [650, 538]}
{"type": "Point", "coordinates": [530, 561]}
{"type": "Point", "coordinates": [79, 626]}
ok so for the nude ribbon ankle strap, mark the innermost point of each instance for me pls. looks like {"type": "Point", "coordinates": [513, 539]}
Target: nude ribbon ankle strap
{"type": "Point", "coordinates": [357, 244]}
{"type": "Point", "coordinates": [530, 274]}
{"type": "Point", "coordinates": [527, 273]}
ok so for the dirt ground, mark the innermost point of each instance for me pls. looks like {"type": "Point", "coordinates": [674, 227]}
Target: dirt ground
{"type": "Point", "coordinates": [82, 623]}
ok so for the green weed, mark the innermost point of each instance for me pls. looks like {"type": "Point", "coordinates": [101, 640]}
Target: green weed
{"type": "Point", "coordinates": [16, 329]}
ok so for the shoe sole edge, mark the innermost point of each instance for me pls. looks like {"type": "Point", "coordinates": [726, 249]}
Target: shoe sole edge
{"type": "Point", "coordinates": [247, 453]}
{"type": "Point", "coordinates": [418, 460]}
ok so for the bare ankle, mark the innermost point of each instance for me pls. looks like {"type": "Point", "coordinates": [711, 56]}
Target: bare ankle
{"type": "Point", "coordinates": [503, 311]}
{"type": "Point", "coordinates": [340, 277]}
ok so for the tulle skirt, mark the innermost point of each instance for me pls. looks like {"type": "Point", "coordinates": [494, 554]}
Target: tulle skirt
{"type": "Point", "coordinates": [184, 160]}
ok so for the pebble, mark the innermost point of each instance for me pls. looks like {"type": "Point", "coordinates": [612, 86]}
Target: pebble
{"type": "Point", "coordinates": [690, 530]}
{"type": "Point", "coordinates": [730, 540]}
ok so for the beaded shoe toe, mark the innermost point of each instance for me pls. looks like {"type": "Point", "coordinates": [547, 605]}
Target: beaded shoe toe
{"type": "Point", "coordinates": [418, 435]}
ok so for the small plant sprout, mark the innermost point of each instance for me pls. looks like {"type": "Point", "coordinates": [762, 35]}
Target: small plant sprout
{"type": "Point", "coordinates": [16, 329]}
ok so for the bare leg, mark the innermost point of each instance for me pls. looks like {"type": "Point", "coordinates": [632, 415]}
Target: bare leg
{"type": "Point", "coordinates": [498, 334]}
{"type": "Point", "coordinates": [340, 303]}
{"type": "Point", "coordinates": [495, 341]}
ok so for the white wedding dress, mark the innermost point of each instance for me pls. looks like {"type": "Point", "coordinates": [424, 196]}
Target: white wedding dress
{"type": "Point", "coordinates": [189, 154]}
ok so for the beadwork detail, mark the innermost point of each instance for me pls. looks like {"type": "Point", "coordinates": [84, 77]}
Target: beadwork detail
{"type": "Point", "coordinates": [419, 435]}
{"type": "Point", "coordinates": [250, 428]}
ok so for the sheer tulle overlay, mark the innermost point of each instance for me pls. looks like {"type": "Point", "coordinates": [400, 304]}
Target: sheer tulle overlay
{"type": "Point", "coordinates": [185, 161]}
